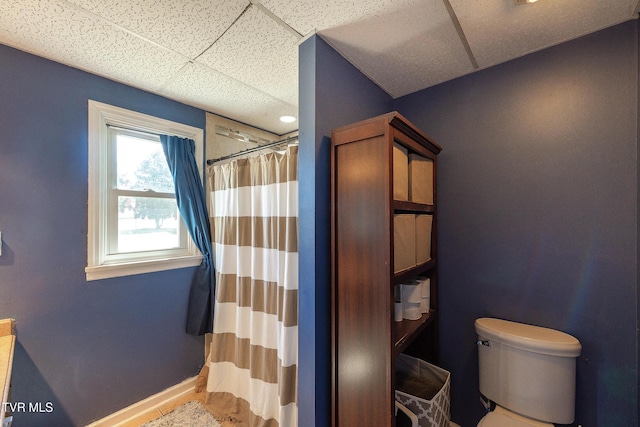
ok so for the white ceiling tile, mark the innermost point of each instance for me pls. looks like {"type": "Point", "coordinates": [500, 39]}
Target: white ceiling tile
{"type": "Point", "coordinates": [259, 52]}
{"type": "Point", "coordinates": [85, 42]}
{"type": "Point", "coordinates": [250, 73]}
{"type": "Point", "coordinates": [217, 93]}
{"type": "Point", "coordinates": [307, 16]}
{"type": "Point", "coordinates": [187, 26]}
{"type": "Point", "coordinates": [516, 30]}
{"type": "Point", "coordinates": [405, 50]}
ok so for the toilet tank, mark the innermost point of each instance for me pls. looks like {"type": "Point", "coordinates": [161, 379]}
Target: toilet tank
{"type": "Point", "coordinates": [528, 369]}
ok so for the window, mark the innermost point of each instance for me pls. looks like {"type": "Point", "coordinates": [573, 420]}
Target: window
{"type": "Point", "coordinates": [134, 222]}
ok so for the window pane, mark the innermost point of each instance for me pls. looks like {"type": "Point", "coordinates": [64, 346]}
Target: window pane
{"type": "Point", "coordinates": [147, 223]}
{"type": "Point", "coordinates": [141, 165]}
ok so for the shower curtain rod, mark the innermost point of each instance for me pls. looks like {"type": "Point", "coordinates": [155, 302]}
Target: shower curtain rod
{"type": "Point", "coordinates": [251, 150]}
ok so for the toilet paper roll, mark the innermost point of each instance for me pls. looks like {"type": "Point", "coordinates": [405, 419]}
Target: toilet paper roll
{"type": "Point", "coordinates": [397, 293]}
{"type": "Point", "coordinates": [411, 291]}
{"type": "Point", "coordinates": [411, 310]}
{"type": "Point", "coordinates": [425, 304]}
{"type": "Point", "coordinates": [426, 287]}
{"type": "Point", "coordinates": [397, 315]}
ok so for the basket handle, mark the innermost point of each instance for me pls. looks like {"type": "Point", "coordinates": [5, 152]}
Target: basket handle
{"type": "Point", "coordinates": [413, 417]}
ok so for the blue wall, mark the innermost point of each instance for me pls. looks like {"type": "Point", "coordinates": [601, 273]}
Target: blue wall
{"type": "Point", "coordinates": [90, 348]}
{"type": "Point", "coordinates": [538, 197]}
{"type": "Point", "coordinates": [538, 193]}
{"type": "Point", "coordinates": [332, 94]}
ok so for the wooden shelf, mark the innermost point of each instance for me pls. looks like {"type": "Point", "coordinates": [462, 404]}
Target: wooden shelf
{"type": "Point", "coordinates": [411, 207]}
{"type": "Point", "coordinates": [404, 332]}
{"type": "Point", "coordinates": [418, 270]}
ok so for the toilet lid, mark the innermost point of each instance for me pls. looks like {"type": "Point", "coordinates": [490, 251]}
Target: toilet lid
{"type": "Point", "coordinates": [504, 418]}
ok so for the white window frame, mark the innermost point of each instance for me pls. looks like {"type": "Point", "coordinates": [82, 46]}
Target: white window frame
{"type": "Point", "coordinates": [99, 264]}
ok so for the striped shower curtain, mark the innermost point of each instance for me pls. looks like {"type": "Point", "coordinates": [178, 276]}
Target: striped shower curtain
{"type": "Point", "coordinates": [254, 350]}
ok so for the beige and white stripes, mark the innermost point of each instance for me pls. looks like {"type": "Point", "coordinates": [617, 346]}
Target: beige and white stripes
{"type": "Point", "coordinates": [254, 349]}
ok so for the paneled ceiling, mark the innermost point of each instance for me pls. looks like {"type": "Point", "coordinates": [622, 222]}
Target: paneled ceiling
{"type": "Point", "coordinates": [239, 58]}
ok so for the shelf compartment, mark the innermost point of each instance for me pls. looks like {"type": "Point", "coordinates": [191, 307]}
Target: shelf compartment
{"type": "Point", "coordinates": [404, 332]}
{"type": "Point", "coordinates": [410, 273]}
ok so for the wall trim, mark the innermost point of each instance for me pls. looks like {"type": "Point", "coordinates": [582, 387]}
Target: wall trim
{"type": "Point", "coordinates": [146, 405]}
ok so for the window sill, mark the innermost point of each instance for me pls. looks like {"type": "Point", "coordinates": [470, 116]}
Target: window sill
{"type": "Point", "coordinates": [107, 271]}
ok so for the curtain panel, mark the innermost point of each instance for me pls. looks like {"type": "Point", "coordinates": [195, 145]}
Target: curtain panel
{"type": "Point", "coordinates": [253, 359]}
{"type": "Point", "coordinates": [191, 201]}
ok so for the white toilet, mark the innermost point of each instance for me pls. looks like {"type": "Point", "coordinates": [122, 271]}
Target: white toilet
{"type": "Point", "coordinates": [528, 371]}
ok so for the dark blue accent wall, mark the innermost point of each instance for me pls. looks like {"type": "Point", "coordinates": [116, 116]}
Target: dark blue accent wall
{"type": "Point", "coordinates": [538, 210]}
{"type": "Point", "coordinates": [538, 201]}
{"type": "Point", "coordinates": [89, 348]}
{"type": "Point", "coordinates": [332, 94]}
{"type": "Point", "coordinates": [538, 204]}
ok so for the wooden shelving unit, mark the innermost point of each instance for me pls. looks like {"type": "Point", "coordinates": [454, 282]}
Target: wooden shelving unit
{"type": "Point", "coordinates": [365, 338]}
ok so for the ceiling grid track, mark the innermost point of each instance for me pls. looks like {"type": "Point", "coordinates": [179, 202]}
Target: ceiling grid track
{"type": "Point", "coordinates": [189, 61]}
{"type": "Point", "coordinates": [463, 38]}
{"type": "Point", "coordinates": [174, 77]}
{"type": "Point", "coordinates": [120, 27]}
{"type": "Point", "coordinates": [277, 19]}
{"type": "Point", "coordinates": [192, 62]}
{"type": "Point", "coordinates": [224, 32]}
{"type": "Point", "coordinates": [211, 55]}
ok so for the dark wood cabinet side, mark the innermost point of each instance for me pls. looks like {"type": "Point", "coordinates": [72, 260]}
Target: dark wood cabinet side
{"type": "Point", "coordinates": [365, 337]}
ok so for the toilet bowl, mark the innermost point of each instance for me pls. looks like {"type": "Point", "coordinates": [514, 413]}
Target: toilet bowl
{"type": "Point", "coordinates": [528, 371]}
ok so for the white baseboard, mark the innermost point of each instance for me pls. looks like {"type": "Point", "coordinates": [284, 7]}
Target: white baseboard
{"type": "Point", "coordinates": [148, 404]}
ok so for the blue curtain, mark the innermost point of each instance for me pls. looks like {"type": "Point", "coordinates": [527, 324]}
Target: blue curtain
{"type": "Point", "coordinates": [193, 209]}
